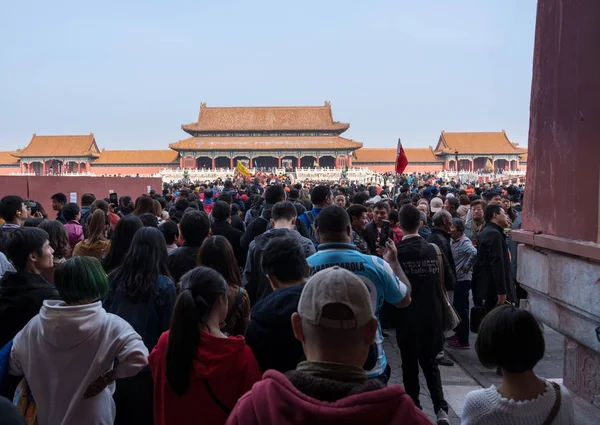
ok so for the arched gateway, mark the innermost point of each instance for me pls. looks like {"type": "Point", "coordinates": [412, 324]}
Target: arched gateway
{"type": "Point", "coordinates": [266, 137]}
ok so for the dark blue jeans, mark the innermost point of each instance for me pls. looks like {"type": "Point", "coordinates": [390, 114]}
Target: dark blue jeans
{"type": "Point", "coordinates": [461, 304]}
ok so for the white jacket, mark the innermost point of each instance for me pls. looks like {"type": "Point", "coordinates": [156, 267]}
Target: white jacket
{"type": "Point", "coordinates": [63, 349]}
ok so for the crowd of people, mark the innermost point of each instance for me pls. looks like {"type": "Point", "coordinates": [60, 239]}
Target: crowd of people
{"type": "Point", "coordinates": [265, 302]}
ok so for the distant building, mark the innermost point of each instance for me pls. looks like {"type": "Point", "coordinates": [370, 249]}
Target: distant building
{"type": "Point", "coordinates": [265, 137]}
{"type": "Point", "coordinates": [473, 149]}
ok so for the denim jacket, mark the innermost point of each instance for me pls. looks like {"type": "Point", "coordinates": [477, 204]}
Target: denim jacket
{"type": "Point", "coordinates": [464, 254]}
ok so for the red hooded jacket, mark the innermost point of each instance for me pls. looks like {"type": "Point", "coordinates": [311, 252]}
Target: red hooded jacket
{"type": "Point", "coordinates": [274, 400]}
{"type": "Point", "coordinates": [227, 364]}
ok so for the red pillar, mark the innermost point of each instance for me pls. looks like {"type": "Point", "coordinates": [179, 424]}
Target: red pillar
{"type": "Point", "coordinates": [251, 165]}
{"type": "Point", "coordinates": [337, 165]}
{"type": "Point", "coordinates": [87, 166]}
{"type": "Point", "coordinates": [349, 164]}
{"type": "Point", "coordinates": [318, 158]}
{"type": "Point", "coordinates": [231, 162]}
{"type": "Point", "coordinates": [279, 162]}
{"type": "Point", "coordinates": [299, 162]}
{"type": "Point", "coordinates": [213, 163]}
{"type": "Point", "coordinates": [78, 167]}
{"type": "Point", "coordinates": [181, 162]}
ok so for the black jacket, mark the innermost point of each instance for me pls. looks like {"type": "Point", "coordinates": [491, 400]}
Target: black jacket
{"type": "Point", "coordinates": [491, 272]}
{"type": "Point", "coordinates": [442, 240]}
{"type": "Point", "coordinates": [182, 260]}
{"type": "Point", "coordinates": [269, 333]}
{"type": "Point", "coordinates": [371, 236]}
{"type": "Point", "coordinates": [420, 325]}
{"type": "Point", "coordinates": [21, 297]}
{"type": "Point", "coordinates": [238, 223]}
{"type": "Point", "coordinates": [223, 228]}
{"type": "Point", "coordinates": [255, 281]}
{"type": "Point", "coordinates": [261, 224]}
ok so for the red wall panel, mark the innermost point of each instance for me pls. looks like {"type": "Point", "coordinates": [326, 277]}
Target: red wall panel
{"type": "Point", "coordinates": [41, 188]}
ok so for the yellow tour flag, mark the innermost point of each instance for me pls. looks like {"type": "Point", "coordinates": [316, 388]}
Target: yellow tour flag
{"type": "Point", "coordinates": [242, 169]}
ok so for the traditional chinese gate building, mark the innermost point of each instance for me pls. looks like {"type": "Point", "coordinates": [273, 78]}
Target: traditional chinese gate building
{"type": "Point", "coordinates": [286, 136]}
{"type": "Point", "coordinates": [58, 154]}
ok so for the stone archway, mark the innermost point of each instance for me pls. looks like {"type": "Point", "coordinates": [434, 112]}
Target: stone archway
{"type": "Point", "coordinates": [289, 162]}
{"type": "Point", "coordinates": [327, 161]}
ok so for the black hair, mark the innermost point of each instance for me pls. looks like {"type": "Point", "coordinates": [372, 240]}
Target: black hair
{"type": "Point", "coordinates": [149, 220]}
{"type": "Point", "coordinates": [332, 221]}
{"type": "Point", "coordinates": [228, 184]}
{"type": "Point", "coordinates": [221, 211]}
{"type": "Point", "coordinates": [143, 263]}
{"type": "Point", "coordinates": [217, 253]}
{"type": "Point", "coordinates": [393, 216]}
{"type": "Point", "coordinates": [283, 210]}
{"type": "Point", "coordinates": [208, 194]}
{"type": "Point", "coordinates": [458, 224]}
{"type": "Point", "coordinates": [33, 222]}
{"type": "Point", "coordinates": [284, 259]}
{"type": "Point", "coordinates": [320, 194]}
{"type": "Point", "coordinates": [87, 199]}
{"type": "Point", "coordinates": [59, 197]}
{"type": "Point", "coordinates": [356, 210]}
{"type": "Point", "coordinates": [182, 205]}
{"type": "Point", "coordinates": [121, 240]}
{"type": "Point", "coordinates": [410, 218]}
{"type": "Point", "coordinates": [226, 197]}
{"type": "Point", "coordinates": [23, 242]}
{"type": "Point", "coordinates": [10, 207]}
{"type": "Point", "coordinates": [382, 205]}
{"type": "Point", "coordinates": [170, 231]}
{"type": "Point", "coordinates": [360, 198]}
{"type": "Point", "coordinates": [443, 190]}
{"type": "Point", "coordinates": [488, 195]}
{"type": "Point", "coordinates": [274, 194]}
{"type": "Point", "coordinates": [293, 193]}
{"type": "Point", "coordinates": [194, 227]}
{"type": "Point", "coordinates": [57, 236]}
{"type": "Point", "coordinates": [202, 287]}
{"type": "Point", "coordinates": [453, 202]}
{"type": "Point", "coordinates": [510, 338]}
{"type": "Point", "coordinates": [490, 210]}
{"type": "Point", "coordinates": [70, 211]}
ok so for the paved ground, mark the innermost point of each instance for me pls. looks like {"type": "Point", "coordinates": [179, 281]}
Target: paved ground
{"type": "Point", "coordinates": [468, 375]}
{"type": "Point", "coordinates": [455, 381]}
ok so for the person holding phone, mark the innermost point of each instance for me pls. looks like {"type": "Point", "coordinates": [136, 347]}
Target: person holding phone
{"type": "Point", "coordinates": [373, 232]}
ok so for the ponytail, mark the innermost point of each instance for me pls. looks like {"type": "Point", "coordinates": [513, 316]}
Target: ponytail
{"type": "Point", "coordinates": [202, 286]}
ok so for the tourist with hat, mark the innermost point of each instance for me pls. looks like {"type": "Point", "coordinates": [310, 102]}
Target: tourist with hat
{"type": "Point", "coordinates": [336, 324]}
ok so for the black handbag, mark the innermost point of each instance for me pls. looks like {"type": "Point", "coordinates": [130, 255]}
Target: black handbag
{"type": "Point", "coordinates": [477, 315]}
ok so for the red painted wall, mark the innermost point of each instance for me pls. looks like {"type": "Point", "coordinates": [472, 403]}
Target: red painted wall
{"type": "Point", "coordinates": [41, 188]}
{"type": "Point", "coordinates": [133, 170]}
{"type": "Point", "coordinates": [5, 171]}
{"type": "Point", "coordinates": [563, 185]}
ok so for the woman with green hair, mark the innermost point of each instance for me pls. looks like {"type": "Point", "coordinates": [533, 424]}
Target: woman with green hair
{"type": "Point", "coordinates": [73, 350]}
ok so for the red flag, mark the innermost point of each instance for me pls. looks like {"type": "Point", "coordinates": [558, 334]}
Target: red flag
{"type": "Point", "coordinates": [401, 159]}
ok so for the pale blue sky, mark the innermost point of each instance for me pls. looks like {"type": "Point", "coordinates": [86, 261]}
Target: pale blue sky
{"type": "Point", "coordinates": [132, 72]}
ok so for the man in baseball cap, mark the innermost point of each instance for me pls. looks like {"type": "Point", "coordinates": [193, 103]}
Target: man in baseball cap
{"type": "Point", "coordinates": [336, 325]}
{"type": "Point", "coordinates": [436, 205]}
